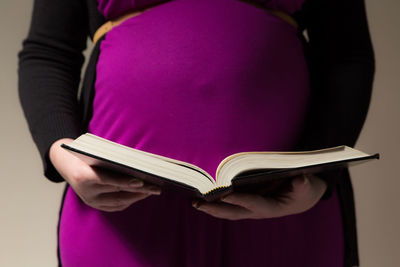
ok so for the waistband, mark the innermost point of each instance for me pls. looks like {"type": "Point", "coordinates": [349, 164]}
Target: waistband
{"type": "Point", "coordinates": [107, 26]}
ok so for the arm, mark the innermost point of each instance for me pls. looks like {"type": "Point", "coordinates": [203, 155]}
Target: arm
{"type": "Point", "coordinates": [342, 68]}
{"type": "Point", "coordinates": [49, 73]}
{"type": "Point", "coordinates": [342, 65]}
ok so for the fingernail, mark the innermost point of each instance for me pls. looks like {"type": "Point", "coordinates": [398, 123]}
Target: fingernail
{"type": "Point", "coordinates": [155, 191]}
{"type": "Point", "coordinates": [135, 183]}
{"type": "Point", "coordinates": [195, 204]}
{"type": "Point", "coordinates": [305, 181]}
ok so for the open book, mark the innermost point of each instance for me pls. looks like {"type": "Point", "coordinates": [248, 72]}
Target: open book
{"type": "Point", "coordinates": [237, 171]}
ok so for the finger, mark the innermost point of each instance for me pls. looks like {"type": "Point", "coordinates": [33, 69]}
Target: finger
{"type": "Point", "coordinates": [108, 177]}
{"type": "Point", "coordinates": [117, 198]}
{"type": "Point", "coordinates": [300, 181]}
{"type": "Point", "coordinates": [261, 207]}
{"type": "Point", "coordinates": [319, 185]}
{"type": "Point", "coordinates": [306, 193]}
{"type": "Point", "coordinates": [224, 210]}
{"type": "Point", "coordinates": [248, 201]}
{"type": "Point", "coordinates": [110, 208]}
{"type": "Point", "coordinates": [301, 188]}
{"type": "Point", "coordinates": [146, 188]}
{"type": "Point", "coordinates": [124, 183]}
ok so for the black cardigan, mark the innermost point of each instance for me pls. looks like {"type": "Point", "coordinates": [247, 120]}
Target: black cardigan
{"type": "Point", "coordinates": [339, 54]}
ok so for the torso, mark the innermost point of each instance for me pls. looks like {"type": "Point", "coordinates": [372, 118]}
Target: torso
{"type": "Point", "coordinates": [198, 80]}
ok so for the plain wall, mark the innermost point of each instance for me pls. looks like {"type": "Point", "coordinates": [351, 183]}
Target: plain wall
{"type": "Point", "coordinates": [29, 203]}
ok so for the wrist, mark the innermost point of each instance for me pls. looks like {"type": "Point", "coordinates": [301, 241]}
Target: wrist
{"type": "Point", "coordinates": [56, 148]}
{"type": "Point", "coordinates": [59, 157]}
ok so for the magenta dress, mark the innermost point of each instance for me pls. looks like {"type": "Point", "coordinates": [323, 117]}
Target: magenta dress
{"type": "Point", "coordinates": [198, 80]}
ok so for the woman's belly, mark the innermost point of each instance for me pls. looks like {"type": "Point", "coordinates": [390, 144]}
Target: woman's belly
{"type": "Point", "coordinates": [199, 80]}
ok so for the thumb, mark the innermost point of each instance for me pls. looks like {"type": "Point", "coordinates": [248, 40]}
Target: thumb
{"type": "Point", "coordinates": [239, 199]}
{"type": "Point", "coordinates": [300, 181]}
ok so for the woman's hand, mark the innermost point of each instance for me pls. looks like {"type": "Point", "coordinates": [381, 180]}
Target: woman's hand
{"type": "Point", "coordinates": [100, 189]}
{"type": "Point", "coordinates": [306, 192]}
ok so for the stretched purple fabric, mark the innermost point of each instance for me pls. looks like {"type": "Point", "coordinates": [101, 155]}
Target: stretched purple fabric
{"type": "Point", "coordinates": [198, 80]}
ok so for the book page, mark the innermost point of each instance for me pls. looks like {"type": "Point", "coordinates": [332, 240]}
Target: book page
{"type": "Point", "coordinates": [171, 160]}
{"type": "Point", "coordinates": [240, 162]}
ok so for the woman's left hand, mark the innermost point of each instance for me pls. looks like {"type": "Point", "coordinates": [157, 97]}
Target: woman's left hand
{"type": "Point", "coordinates": [307, 191]}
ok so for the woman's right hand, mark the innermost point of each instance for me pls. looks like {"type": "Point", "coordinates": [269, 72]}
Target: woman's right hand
{"type": "Point", "coordinates": [100, 189]}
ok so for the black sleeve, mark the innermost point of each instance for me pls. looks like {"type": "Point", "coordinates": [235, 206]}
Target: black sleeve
{"type": "Point", "coordinates": [49, 73]}
{"type": "Point", "coordinates": [341, 62]}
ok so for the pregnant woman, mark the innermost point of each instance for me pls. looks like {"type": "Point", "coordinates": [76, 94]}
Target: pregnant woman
{"type": "Point", "coordinates": [198, 80]}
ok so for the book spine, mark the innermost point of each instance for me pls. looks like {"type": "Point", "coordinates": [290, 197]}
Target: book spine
{"type": "Point", "coordinates": [217, 193]}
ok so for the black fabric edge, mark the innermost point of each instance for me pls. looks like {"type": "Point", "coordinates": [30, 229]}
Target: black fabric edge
{"type": "Point", "coordinates": [347, 204]}
{"type": "Point", "coordinates": [59, 224]}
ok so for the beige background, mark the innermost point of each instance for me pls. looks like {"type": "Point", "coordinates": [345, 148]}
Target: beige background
{"type": "Point", "coordinates": [29, 204]}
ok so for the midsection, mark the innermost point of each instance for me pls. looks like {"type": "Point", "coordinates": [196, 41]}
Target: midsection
{"type": "Point", "coordinates": [199, 80]}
